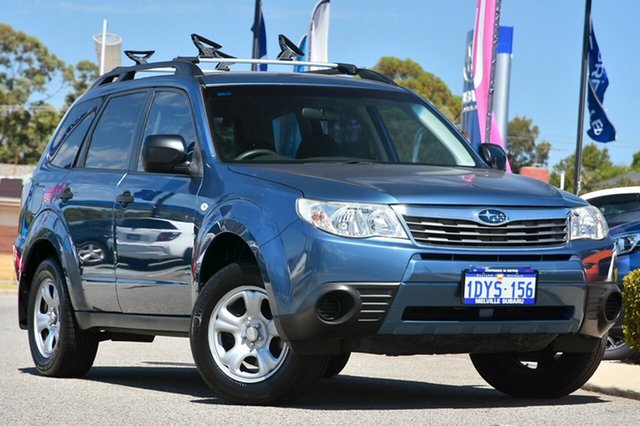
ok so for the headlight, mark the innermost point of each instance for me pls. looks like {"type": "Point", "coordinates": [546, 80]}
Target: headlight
{"type": "Point", "coordinates": [353, 220]}
{"type": "Point", "coordinates": [587, 223]}
{"type": "Point", "coordinates": [627, 243]}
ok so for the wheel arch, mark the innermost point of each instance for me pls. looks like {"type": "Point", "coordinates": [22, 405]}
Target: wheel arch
{"type": "Point", "coordinates": [47, 238]}
{"type": "Point", "coordinates": [224, 249]}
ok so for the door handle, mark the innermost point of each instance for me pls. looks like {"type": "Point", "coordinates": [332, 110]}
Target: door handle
{"type": "Point", "coordinates": [65, 195]}
{"type": "Point", "coordinates": [125, 198]}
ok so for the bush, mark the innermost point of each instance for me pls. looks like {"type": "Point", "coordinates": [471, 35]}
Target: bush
{"type": "Point", "coordinates": [631, 293]}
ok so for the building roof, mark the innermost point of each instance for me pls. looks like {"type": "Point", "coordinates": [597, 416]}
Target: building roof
{"type": "Point", "coordinates": [626, 179]}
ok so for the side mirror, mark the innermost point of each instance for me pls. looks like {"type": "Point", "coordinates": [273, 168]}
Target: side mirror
{"type": "Point", "coordinates": [494, 155]}
{"type": "Point", "coordinates": [164, 154]}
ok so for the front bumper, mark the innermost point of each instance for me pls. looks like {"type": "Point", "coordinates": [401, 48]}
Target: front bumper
{"type": "Point", "coordinates": [402, 293]}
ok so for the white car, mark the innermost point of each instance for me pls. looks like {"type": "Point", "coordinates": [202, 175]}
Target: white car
{"type": "Point", "coordinates": [615, 203]}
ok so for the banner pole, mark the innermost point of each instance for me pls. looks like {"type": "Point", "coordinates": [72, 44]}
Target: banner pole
{"type": "Point", "coordinates": [103, 48]}
{"type": "Point", "coordinates": [583, 91]}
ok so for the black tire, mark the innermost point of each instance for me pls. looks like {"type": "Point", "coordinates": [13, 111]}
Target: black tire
{"type": "Point", "coordinates": [58, 347]}
{"type": "Point", "coordinates": [336, 364]}
{"type": "Point", "coordinates": [554, 376]}
{"type": "Point", "coordinates": [286, 376]}
{"type": "Point", "coordinates": [617, 349]}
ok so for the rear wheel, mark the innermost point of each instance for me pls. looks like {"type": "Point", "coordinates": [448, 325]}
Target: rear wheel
{"type": "Point", "coordinates": [543, 374]}
{"type": "Point", "coordinates": [236, 345]}
{"type": "Point", "coordinates": [58, 347]}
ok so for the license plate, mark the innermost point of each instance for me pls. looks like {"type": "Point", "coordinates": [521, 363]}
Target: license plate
{"type": "Point", "coordinates": [490, 286]}
{"type": "Point", "coordinates": [133, 237]}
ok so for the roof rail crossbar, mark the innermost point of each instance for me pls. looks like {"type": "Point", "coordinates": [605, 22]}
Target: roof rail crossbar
{"type": "Point", "coordinates": [288, 50]}
{"type": "Point", "coordinates": [350, 69]}
{"type": "Point", "coordinates": [179, 68]}
{"type": "Point", "coordinates": [139, 56]}
{"type": "Point", "coordinates": [201, 59]}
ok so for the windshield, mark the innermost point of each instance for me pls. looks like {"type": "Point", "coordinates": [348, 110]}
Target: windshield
{"type": "Point", "coordinates": [304, 124]}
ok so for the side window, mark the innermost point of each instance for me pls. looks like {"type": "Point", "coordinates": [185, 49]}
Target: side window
{"type": "Point", "coordinates": [170, 115]}
{"type": "Point", "coordinates": [113, 136]}
{"type": "Point", "coordinates": [72, 132]}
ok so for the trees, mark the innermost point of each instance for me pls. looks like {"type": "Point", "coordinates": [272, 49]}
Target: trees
{"type": "Point", "coordinates": [408, 73]}
{"type": "Point", "coordinates": [85, 73]}
{"type": "Point", "coordinates": [27, 69]}
{"type": "Point", "coordinates": [27, 73]}
{"type": "Point", "coordinates": [522, 149]}
{"type": "Point", "coordinates": [635, 163]}
{"type": "Point", "coordinates": [596, 167]}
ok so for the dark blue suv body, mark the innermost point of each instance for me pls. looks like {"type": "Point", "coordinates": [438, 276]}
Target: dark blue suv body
{"type": "Point", "coordinates": [285, 220]}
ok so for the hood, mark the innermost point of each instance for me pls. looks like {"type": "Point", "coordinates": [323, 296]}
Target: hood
{"type": "Point", "coordinates": [410, 184]}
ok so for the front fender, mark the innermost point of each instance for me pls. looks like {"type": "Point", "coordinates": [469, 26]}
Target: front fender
{"type": "Point", "coordinates": [244, 219]}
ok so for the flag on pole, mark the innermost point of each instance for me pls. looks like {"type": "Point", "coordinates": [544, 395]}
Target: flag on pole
{"type": "Point", "coordinates": [259, 50]}
{"type": "Point", "coordinates": [262, 41]}
{"type": "Point", "coordinates": [600, 128]}
{"type": "Point", "coordinates": [319, 32]}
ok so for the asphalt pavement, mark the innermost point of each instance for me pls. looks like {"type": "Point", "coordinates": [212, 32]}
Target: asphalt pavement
{"type": "Point", "coordinates": [157, 383]}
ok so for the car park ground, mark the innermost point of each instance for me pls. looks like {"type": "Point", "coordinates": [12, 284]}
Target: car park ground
{"type": "Point", "coordinates": [157, 383]}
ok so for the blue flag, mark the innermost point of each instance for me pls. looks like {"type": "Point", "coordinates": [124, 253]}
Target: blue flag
{"type": "Point", "coordinates": [262, 40]}
{"type": "Point", "coordinates": [600, 128]}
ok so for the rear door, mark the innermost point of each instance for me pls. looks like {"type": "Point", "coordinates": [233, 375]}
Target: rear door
{"type": "Point", "coordinates": [91, 189]}
{"type": "Point", "coordinates": [154, 228]}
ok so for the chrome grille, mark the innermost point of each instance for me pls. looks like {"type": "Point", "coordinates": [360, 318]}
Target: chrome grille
{"type": "Point", "coordinates": [456, 232]}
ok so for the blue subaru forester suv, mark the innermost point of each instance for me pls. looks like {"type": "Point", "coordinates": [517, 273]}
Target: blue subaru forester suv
{"type": "Point", "coordinates": [283, 220]}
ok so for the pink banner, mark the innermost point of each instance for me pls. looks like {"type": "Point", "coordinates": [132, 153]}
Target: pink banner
{"type": "Point", "coordinates": [484, 45]}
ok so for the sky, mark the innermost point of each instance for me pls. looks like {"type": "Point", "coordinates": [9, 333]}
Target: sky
{"type": "Point", "coordinates": [546, 46]}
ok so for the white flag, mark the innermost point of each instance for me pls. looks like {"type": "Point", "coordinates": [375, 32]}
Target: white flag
{"type": "Point", "coordinates": [319, 33]}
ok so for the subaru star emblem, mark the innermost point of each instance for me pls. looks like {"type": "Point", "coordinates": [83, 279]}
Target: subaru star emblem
{"type": "Point", "coordinates": [493, 217]}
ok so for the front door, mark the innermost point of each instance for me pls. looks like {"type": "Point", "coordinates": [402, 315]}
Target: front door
{"type": "Point", "coordinates": [155, 221]}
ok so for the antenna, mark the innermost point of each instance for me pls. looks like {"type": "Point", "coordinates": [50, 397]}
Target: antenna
{"type": "Point", "coordinates": [139, 56]}
{"type": "Point", "coordinates": [289, 51]}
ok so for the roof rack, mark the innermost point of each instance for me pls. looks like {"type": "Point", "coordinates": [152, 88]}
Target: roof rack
{"type": "Point", "coordinates": [209, 52]}
{"type": "Point", "coordinates": [288, 50]}
{"type": "Point", "coordinates": [139, 56]}
{"type": "Point", "coordinates": [182, 68]}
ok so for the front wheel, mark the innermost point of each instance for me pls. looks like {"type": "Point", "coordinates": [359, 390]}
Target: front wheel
{"type": "Point", "coordinates": [236, 345]}
{"type": "Point", "coordinates": [336, 364]}
{"type": "Point", "coordinates": [58, 347]}
{"type": "Point", "coordinates": [543, 374]}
